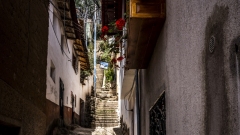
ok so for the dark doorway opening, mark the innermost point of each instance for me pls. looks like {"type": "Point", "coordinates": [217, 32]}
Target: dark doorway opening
{"type": "Point", "coordinates": [82, 104]}
{"type": "Point", "coordinates": [73, 101]}
{"type": "Point", "coordinates": [61, 95]}
{"type": "Point", "coordinates": [6, 129]}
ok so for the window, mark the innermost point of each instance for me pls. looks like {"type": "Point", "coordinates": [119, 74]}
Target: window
{"type": "Point", "coordinates": [52, 71]}
{"type": "Point", "coordinates": [55, 24]}
{"type": "Point", "coordinates": [62, 42]}
{"type": "Point", "coordinates": [75, 63]}
{"type": "Point", "coordinates": [75, 101]}
{"type": "Point", "coordinates": [158, 117]}
{"type": "Point", "coordinates": [55, 21]}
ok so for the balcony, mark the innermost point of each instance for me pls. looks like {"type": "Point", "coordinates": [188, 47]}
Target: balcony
{"type": "Point", "coordinates": [74, 30]}
{"type": "Point", "coordinates": [145, 20]}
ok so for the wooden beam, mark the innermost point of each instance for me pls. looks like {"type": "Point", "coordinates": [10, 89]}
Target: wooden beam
{"type": "Point", "coordinates": [62, 9]}
{"type": "Point", "coordinates": [69, 32]}
{"type": "Point", "coordinates": [73, 38]}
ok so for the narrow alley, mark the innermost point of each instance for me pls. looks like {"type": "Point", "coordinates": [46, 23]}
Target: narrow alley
{"type": "Point", "coordinates": [119, 67]}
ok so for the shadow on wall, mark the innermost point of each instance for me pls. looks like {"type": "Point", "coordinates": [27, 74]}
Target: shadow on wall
{"type": "Point", "coordinates": [217, 102]}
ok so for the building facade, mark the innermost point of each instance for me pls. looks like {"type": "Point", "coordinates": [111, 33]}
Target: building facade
{"type": "Point", "coordinates": [190, 85]}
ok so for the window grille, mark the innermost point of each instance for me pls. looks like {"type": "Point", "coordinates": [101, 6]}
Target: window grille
{"type": "Point", "coordinates": [158, 117]}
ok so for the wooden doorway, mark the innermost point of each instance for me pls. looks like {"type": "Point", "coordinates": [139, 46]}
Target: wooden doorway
{"type": "Point", "coordinates": [61, 95]}
{"type": "Point", "coordinates": [82, 104]}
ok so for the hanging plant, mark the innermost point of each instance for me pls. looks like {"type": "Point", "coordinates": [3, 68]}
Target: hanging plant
{"type": "Point", "coordinates": [120, 23]}
{"type": "Point", "coordinates": [114, 61]}
{"type": "Point", "coordinates": [105, 29]}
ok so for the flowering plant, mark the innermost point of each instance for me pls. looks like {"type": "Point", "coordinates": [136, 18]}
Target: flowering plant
{"type": "Point", "coordinates": [120, 58]}
{"type": "Point", "coordinates": [105, 29]}
{"type": "Point", "coordinates": [120, 23]}
{"type": "Point", "coordinates": [112, 37]}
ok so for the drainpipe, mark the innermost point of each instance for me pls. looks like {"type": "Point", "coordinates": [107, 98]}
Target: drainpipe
{"type": "Point", "coordinates": [95, 38]}
{"type": "Point", "coordinates": [137, 105]}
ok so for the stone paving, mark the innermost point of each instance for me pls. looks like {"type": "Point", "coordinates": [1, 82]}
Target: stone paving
{"type": "Point", "coordinates": [97, 131]}
{"type": "Point", "coordinates": [78, 130]}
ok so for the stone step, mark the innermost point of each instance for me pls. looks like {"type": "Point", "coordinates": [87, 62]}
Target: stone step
{"type": "Point", "coordinates": [108, 103]}
{"type": "Point", "coordinates": [106, 124]}
{"type": "Point", "coordinates": [107, 117]}
{"type": "Point", "coordinates": [102, 114]}
{"type": "Point", "coordinates": [106, 121]}
{"type": "Point", "coordinates": [105, 112]}
{"type": "Point", "coordinates": [106, 108]}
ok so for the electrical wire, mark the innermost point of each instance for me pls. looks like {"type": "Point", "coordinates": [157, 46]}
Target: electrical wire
{"type": "Point", "coordinates": [56, 35]}
{"type": "Point", "coordinates": [58, 40]}
{"type": "Point", "coordinates": [61, 12]}
{"type": "Point", "coordinates": [63, 24]}
{"type": "Point", "coordinates": [78, 28]}
{"type": "Point", "coordinates": [60, 19]}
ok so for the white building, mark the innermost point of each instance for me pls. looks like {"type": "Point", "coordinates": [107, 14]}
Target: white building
{"type": "Point", "coordinates": [67, 56]}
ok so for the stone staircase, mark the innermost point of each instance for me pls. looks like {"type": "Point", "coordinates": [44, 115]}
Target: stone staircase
{"type": "Point", "coordinates": [106, 113]}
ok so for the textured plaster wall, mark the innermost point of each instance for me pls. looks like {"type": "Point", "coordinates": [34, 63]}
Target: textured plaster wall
{"type": "Point", "coordinates": [23, 60]}
{"type": "Point", "coordinates": [201, 88]}
{"type": "Point", "coordinates": [86, 89]}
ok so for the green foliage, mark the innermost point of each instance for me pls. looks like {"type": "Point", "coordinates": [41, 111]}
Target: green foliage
{"type": "Point", "coordinates": [89, 111]}
{"type": "Point", "coordinates": [109, 73]}
{"type": "Point", "coordinates": [86, 8]}
{"type": "Point", "coordinates": [84, 74]}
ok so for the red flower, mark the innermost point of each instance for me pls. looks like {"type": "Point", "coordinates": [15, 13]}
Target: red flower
{"type": "Point", "coordinates": [104, 29]}
{"type": "Point", "coordinates": [114, 60]}
{"type": "Point", "coordinates": [120, 23]}
{"type": "Point", "coordinates": [120, 58]}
